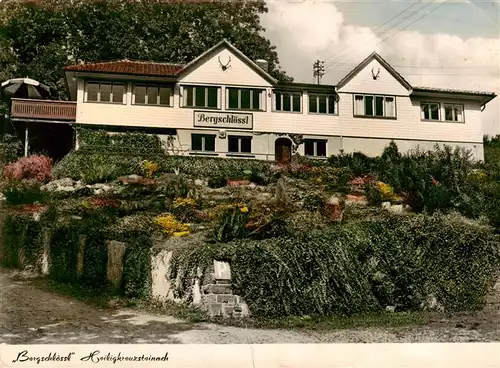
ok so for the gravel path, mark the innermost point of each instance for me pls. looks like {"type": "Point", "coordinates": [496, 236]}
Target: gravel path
{"type": "Point", "coordinates": [30, 315]}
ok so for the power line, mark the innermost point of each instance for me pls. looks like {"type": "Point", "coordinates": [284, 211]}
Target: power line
{"type": "Point", "coordinates": [408, 25]}
{"type": "Point", "coordinates": [346, 52]}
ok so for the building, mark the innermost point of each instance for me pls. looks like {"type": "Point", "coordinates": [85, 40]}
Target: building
{"type": "Point", "coordinates": [224, 104]}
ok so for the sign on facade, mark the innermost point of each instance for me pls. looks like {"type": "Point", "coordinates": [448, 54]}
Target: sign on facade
{"type": "Point", "coordinates": [210, 119]}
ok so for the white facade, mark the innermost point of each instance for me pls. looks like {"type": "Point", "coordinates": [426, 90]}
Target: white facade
{"type": "Point", "coordinates": [218, 74]}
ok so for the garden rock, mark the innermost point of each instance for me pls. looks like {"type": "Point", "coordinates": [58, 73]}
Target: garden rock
{"type": "Point", "coordinates": [399, 208]}
{"type": "Point", "coordinates": [386, 205]}
{"type": "Point", "coordinates": [333, 207]}
{"type": "Point", "coordinates": [134, 177]}
{"type": "Point", "coordinates": [65, 189]}
{"type": "Point", "coordinates": [356, 199]}
{"type": "Point", "coordinates": [56, 184]}
{"type": "Point", "coordinates": [199, 182]}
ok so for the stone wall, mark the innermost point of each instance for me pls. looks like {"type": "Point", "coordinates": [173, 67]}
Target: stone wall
{"type": "Point", "coordinates": [211, 292]}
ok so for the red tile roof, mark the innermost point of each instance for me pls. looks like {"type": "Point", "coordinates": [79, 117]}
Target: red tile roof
{"type": "Point", "coordinates": [129, 67]}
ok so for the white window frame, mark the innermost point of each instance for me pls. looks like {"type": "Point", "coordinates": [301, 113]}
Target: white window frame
{"type": "Point", "coordinates": [239, 137]}
{"type": "Point", "coordinates": [429, 104]}
{"type": "Point", "coordinates": [252, 90]}
{"type": "Point", "coordinates": [203, 142]}
{"type": "Point", "coordinates": [328, 97]}
{"type": "Point", "coordinates": [291, 101]}
{"type": "Point", "coordinates": [146, 102]}
{"type": "Point", "coordinates": [453, 106]}
{"type": "Point", "coordinates": [315, 145]}
{"type": "Point", "coordinates": [195, 106]}
{"type": "Point", "coordinates": [111, 83]}
{"type": "Point", "coordinates": [374, 97]}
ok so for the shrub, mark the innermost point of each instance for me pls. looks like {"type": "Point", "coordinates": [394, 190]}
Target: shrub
{"type": "Point", "coordinates": [313, 201]}
{"type": "Point", "coordinates": [149, 168]}
{"type": "Point", "coordinates": [11, 148]}
{"type": "Point", "coordinates": [207, 167]}
{"type": "Point", "coordinates": [95, 167]}
{"type": "Point", "coordinates": [22, 243]}
{"type": "Point", "coordinates": [23, 192]}
{"type": "Point", "coordinates": [231, 224]}
{"type": "Point", "coordinates": [137, 267]}
{"type": "Point", "coordinates": [217, 181]}
{"type": "Point", "coordinates": [358, 163]}
{"type": "Point", "coordinates": [185, 209]}
{"type": "Point", "coordinates": [31, 168]}
{"type": "Point", "coordinates": [125, 143]}
{"type": "Point", "coordinates": [362, 266]}
{"type": "Point", "coordinates": [174, 186]}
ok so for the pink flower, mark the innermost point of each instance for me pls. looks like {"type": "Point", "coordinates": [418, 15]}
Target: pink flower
{"type": "Point", "coordinates": [35, 167]}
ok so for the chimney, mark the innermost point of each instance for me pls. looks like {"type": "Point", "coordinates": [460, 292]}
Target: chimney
{"type": "Point", "coordinates": [263, 64]}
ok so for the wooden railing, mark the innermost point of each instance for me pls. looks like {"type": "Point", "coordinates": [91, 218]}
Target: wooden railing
{"type": "Point", "coordinates": [43, 109]}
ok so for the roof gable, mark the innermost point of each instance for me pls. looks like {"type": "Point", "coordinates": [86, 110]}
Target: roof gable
{"type": "Point", "coordinates": [217, 51]}
{"type": "Point", "coordinates": [373, 59]}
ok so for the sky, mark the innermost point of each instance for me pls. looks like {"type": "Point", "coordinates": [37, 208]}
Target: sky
{"type": "Point", "coordinates": [432, 43]}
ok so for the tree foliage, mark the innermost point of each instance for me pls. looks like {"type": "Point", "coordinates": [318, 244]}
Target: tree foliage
{"type": "Point", "coordinates": [39, 38]}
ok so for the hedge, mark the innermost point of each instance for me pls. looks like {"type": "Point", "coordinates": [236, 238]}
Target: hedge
{"type": "Point", "coordinates": [400, 261]}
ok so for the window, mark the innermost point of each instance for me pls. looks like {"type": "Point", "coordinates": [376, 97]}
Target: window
{"type": "Point", "coordinates": [376, 106]}
{"type": "Point", "coordinates": [203, 142]}
{"type": "Point", "coordinates": [239, 144]}
{"type": "Point", "coordinates": [152, 95]}
{"type": "Point", "coordinates": [207, 97]}
{"type": "Point", "coordinates": [454, 112]}
{"type": "Point", "coordinates": [315, 147]}
{"type": "Point", "coordinates": [322, 104]}
{"type": "Point", "coordinates": [244, 99]}
{"type": "Point", "coordinates": [287, 101]}
{"type": "Point", "coordinates": [105, 92]}
{"type": "Point", "coordinates": [430, 110]}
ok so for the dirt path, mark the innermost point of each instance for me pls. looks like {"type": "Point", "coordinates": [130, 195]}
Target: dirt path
{"type": "Point", "coordinates": [30, 315]}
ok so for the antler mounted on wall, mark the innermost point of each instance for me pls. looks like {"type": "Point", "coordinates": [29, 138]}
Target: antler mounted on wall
{"type": "Point", "coordinates": [226, 66]}
{"type": "Point", "coordinates": [375, 75]}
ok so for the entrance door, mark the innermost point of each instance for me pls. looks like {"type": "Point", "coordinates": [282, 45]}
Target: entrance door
{"type": "Point", "coordinates": [283, 150]}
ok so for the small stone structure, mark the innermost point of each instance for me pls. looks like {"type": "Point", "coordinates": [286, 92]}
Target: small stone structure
{"type": "Point", "coordinates": [211, 292]}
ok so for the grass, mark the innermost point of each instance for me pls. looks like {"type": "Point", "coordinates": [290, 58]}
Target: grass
{"type": "Point", "coordinates": [192, 314]}
{"type": "Point", "coordinates": [374, 320]}
{"type": "Point", "coordinates": [85, 295]}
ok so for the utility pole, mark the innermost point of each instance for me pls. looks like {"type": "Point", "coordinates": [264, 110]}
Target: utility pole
{"type": "Point", "coordinates": [318, 70]}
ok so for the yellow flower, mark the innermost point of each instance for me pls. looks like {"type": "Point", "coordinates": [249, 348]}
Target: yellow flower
{"type": "Point", "coordinates": [170, 225]}
{"type": "Point", "coordinates": [244, 209]}
{"type": "Point", "coordinates": [181, 233]}
{"type": "Point", "coordinates": [149, 168]}
{"type": "Point", "coordinates": [184, 202]}
{"type": "Point", "coordinates": [385, 189]}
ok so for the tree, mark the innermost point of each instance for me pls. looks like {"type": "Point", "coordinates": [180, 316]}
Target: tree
{"type": "Point", "coordinates": [41, 37]}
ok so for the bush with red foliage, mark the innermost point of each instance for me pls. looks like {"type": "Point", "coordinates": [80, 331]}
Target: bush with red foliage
{"type": "Point", "coordinates": [35, 167]}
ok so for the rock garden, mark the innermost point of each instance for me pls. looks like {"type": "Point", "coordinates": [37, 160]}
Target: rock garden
{"type": "Point", "coordinates": [346, 235]}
